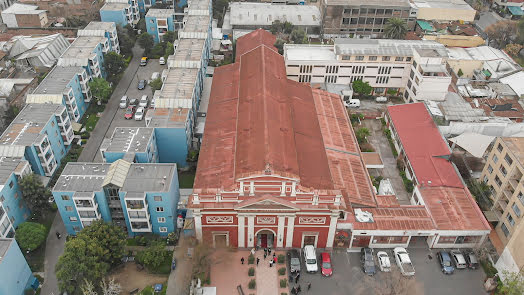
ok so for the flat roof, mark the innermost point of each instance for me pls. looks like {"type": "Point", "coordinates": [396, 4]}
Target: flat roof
{"type": "Point", "coordinates": [442, 4]}
{"type": "Point", "coordinates": [168, 117]}
{"type": "Point", "coordinates": [515, 82]}
{"type": "Point", "coordinates": [23, 8]}
{"type": "Point", "coordinates": [309, 52]}
{"type": "Point", "coordinates": [189, 50]}
{"type": "Point", "coordinates": [56, 81]}
{"type": "Point", "coordinates": [196, 24]}
{"type": "Point", "coordinates": [80, 51]}
{"type": "Point", "coordinates": [5, 243]}
{"type": "Point", "coordinates": [115, 6]}
{"type": "Point", "coordinates": [26, 127]}
{"type": "Point", "coordinates": [371, 3]}
{"type": "Point", "coordinates": [9, 165]}
{"type": "Point", "coordinates": [385, 47]}
{"type": "Point", "coordinates": [177, 90]}
{"type": "Point", "coordinates": [199, 6]}
{"type": "Point", "coordinates": [106, 26]}
{"type": "Point", "coordinates": [129, 139]}
{"type": "Point", "coordinates": [264, 14]}
{"type": "Point", "coordinates": [164, 13]}
{"type": "Point", "coordinates": [151, 177]}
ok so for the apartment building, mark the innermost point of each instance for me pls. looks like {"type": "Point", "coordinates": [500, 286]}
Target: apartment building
{"type": "Point", "coordinates": [504, 172]}
{"type": "Point", "coordinates": [121, 12]}
{"type": "Point", "coordinates": [385, 64]}
{"type": "Point", "coordinates": [43, 132]}
{"type": "Point", "coordinates": [103, 29]}
{"type": "Point", "coordinates": [133, 144]}
{"type": "Point", "coordinates": [14, 270]}
{"type": "Point", "coordinates": [363, 18]}
{"type": "Point", "coordinates": [13, 209]}
{"type": "Point", "coordinates": [159, 21]}
{"type": "Point", "coordinates": [87, 52]}
{"type": "Point", "coordinates": [139, 197]}
{"type": "Point", "coordinates": [67, 86]}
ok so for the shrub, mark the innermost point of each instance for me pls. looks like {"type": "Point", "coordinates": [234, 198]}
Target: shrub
{"type": "Point", "coordinates": [283, 283]}
{"type": "Point", "coordinates": [283, 293]}
{"type": "Point", "coordinates": [251, 259]}
{"type": "Point", "coordinates": [251, 271]}
{"type": "Point", "coordinates": [488, 268]}
{"type": "Point", "coordinates": [252, 284]}
{"type": "Point", "coordinates": [281, 258]}
{"type": "Point", "coordinates": [282, 271]}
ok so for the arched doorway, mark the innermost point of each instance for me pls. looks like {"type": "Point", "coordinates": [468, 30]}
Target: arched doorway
{"type": "Point", "coordinates": [265, 238]}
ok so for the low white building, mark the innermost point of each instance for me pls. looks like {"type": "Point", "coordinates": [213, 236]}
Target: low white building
{"type": "Point", "coordinates": [24, 15]}
{"type": "Point", "coordinates": [39, 53]}
{"type": "Point", "coordinates": [516, 82]}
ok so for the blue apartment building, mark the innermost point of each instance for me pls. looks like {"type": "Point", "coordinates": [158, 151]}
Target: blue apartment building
{"type": "Point", "coordinates": [13, 209]}
{"type": "Point", "coordinates": [122, 12]}
{"type": "Point", "coordinates": [43, 132]}
{"type": "Point", "coordinates": [87, 52]}
{"type": "Point", "coordinates": [14, 270]}
{"type": "Point", "coordinates": [133, 144]}
{"type": "Point", "coordinates": [67, 86]}
{"type": "Point", "coordinates": [159, 21]}
{"type": "Point", "coordinates": [102, 29]}
{"type": "Point", "coordinates": [139, 197]}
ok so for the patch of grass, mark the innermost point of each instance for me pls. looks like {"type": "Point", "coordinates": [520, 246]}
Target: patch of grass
{"type": "Point", "coordinates": [186, 179]}
{"type": "Point", "coordinates": [149, 290]}
{"type": "Point", "coordinates": [282, 271]}
{"type": "Point", "coordinates": [252, 284]}
{"type": "Point", "coordinates": [489, 269]}
{"type": "Point", "coordinates": [36, 258]}
{"type": "Point", "coordinates": [91, 121]}
{"type": "Point", "coordinates": [251, 271]}
{"type": "Point", "coordinates": [283, 283]}
{"type": "Point", "coordinates": [281, 258]}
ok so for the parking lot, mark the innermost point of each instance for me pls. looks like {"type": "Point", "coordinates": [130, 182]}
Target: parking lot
{"type": "Point", "coordinates": [348, 277]}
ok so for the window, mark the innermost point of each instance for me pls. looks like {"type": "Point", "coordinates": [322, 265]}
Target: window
{"type": "Point", "coordinates": [508, 159]}
{"type": "Point", "coordinates": [498, 181]}
{"type": "Point", "coordinates": [65, 198]}
{"type": "Point", "coordinates": [346, 57]}
{"type": "Point", "coordinates": [408, 58]}
{"type": "Point", "coordinates": [399, 58]}
{"type": "Point", "coordinates": [161, 219]}
{"type": "Point", "coordinates": [521, 198]}
{"type": "Point", "coordinates": [12, 219]}
{"type": "Point", "coordinates": [505, 229]}
{"type": "Point", "coordinates": [76, 228]}
{"type": "Point", "coordinates": [447, 240]}
{"type": "Point", "coordinates": [163, 229]}
{"type": "Point", "coordinates": [68, 208]}
{"type": "Point", "coordinates": [345, 21]}
{"type": "Point", "coordinates": [2, 199]}
{"type": "Point", "coordinates": [72, 218]}
{"type": "Point", "coordinates": [495, 158]}
{"type": "Point", "coordinates": [158, 198]}
{"type": "Point", "coordinates": [159, 209]}
{"type": "Point", "coordinates": [503, 170]}
{"type": "Point", "coordinates": [490, 169]}
{"type": "Point", "coordinates": [347, 10]}
{"type": "Point", "coordinates": [386, 58]}
{"type": "Point", "coordinates": [516, 209]}
{"type": "Point", "coordinates": [11, 184]}
{"type": "Point", "coordinates": [372, 58]}
{"type": "Point", "coordinates": [359, 57]}
{"type": "Point", "coordinates": [499, 147]}
{"type": "Point", "coordinates": [510, 219]}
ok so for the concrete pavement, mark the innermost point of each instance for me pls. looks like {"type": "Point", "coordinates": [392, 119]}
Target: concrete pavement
{"type": "Point", "coordinates": [54, 248]}
{"type": "Point", "coordinates": [97, 136]}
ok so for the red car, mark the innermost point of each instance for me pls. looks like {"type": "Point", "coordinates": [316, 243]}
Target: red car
{"type": "Point", "coordinates": [327, 270]}
{"type": "Point", "coordinates": [130, 112]}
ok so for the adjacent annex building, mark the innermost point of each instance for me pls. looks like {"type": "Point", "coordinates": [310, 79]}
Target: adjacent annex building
{"type": "Point", "coordinates": [280, 166]}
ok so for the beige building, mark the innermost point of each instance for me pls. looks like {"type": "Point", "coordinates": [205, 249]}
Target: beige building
{"type": "Point", "coordinates": [504, 171]}
{"type": "Point", "coordinates": [444, 10]}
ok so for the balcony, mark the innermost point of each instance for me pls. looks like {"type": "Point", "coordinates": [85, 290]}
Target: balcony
{"type": "Point", "coordinates": [84, 204]}
{"type": "Point", "coordinates": [136, 204]}
{"type": "Point", "coordinates": [140, 226]}
{"type": "Point", "coordinates": [514, 183]}
{"type": "Point", "coordinates": [139, 215]}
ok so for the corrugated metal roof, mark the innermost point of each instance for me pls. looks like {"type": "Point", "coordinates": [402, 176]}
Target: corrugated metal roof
{"type": "Point", "coordinates": [16, 151]}
{"type": "Point", "coordinates": [117, 173]}
{"type": "Point", "coordinates": [44, 98]}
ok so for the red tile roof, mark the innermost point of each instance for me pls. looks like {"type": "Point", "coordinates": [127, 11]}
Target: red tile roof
{"type": "Point", "coordinates": [387, 201]}
{"type": "Point", "coordinates": [404, 218]}
{"type": "Point", "coordinates": [254, 39]}
{"type": "Point", "coordinates": [422, 144]}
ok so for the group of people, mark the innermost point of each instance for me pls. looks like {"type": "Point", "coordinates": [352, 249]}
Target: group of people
{"type": "Point", "coordinates": [297, 289]}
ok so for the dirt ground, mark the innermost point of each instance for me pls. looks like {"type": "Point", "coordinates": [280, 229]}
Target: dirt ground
{"type": "Point", "coordinates": [130, 278]}
{"type": "Point", "coordinates": [180, 279]}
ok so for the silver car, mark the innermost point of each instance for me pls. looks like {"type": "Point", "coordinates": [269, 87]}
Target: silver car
{"type": "Point", "coordinates": [123, 102]}
{"type": "Point", "coordinates": [458, 259]}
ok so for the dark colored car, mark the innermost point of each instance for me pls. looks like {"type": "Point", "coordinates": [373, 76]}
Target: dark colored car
{"type": "Point", "coordinates": [368, 263]}
{"type": "Point", "coordinates": [445, 262]}
{"type": "Point", "coordinates": [142, 84]}
{"type": "Point", "coordinates": [326, 267]}
{"type": "Point", "coordinates": [133, 102]}
{"type": "Point", "coordinates": [471, 260]}
{"type": "Point", "coordinates": [293, 259]}
{"type": "Point", "coordinates": [130, 112]}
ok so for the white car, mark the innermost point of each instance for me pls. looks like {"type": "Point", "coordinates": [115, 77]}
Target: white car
{"type": "Point", "coordinates": [310, 258]}
{"type": "Point", "coordinates": [123, 102]}
{"type": "Point", "coordinates": [143, 101]}
{"type": "Point", "coordinates": [152, 104]}
{"type": "Point", "coordinates": [162, 61]}
{"type": "Point", "coordinates": [139, 114]}
{"type": "Point", "coordinates": [403, 261]}
{"type": "Point", "coordinates": [383, 261]}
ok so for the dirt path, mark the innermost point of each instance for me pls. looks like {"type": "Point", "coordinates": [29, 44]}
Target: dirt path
{"type": "Point", "coordinates": [130, 278]}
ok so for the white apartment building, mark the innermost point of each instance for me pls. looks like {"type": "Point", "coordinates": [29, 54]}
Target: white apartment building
{"type": "Point", "coordinates": [385, 64]}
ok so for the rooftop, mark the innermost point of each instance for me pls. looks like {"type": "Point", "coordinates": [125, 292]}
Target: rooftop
{"type": "Point", "coordinates": [309, 52]}
{"type": "Point", "coordinates": [516, 146]}
{"type": "Point", "coordinates": [129, 139]}
{"type": "Point", "coordinates": [198, 7]}
{"type": "Point", "coordinates": [264, 14]}
{"type": "Point", "coordinates": [168, 117]}
{"type": "Point", "coordinates": [188, 50]}
{"type": "Point", "coordinates": [383, 47]}
{"type": "Point", "coordinates": [106, 26]}
{"type": "Point", "coordinates": [115, 6]}
{"type": "Point", "coordinates": [498, 107]}
{"type": "Point", "coordinates": [455, 108]}
{"type": "Point", "coordinates": [397, 218]}
{"type": "Point", "coordinates": [373, 3]}
{"type": "Point", "coordinates": [196, 26]}
{"type": "Point", "coordinates": [80, 51]}
{"type": "Point", "coordinates": [8, 165]}
{"type": "Point", "coordinates": [149, 177]}
{"type": "Point", "coordinates": [22, 8]}
{"type": "Point", "coordinates": [515, 82]}
{"type": "Point", "coordinates": [5, 243]}
{"type": "Point", "coordinates": [442, 4]}
{"type": "Point", "coordinates": [177, 90]}
{"type": "Point", "coordinates": [29, 46]}
{"type": "Point", "coordinates": [163, 13]}
{"type": "Point", "coordinates": [56, 81]}
{"type": "Point", "coordinates": [26, 127]}
{"type": "Point", "coordinates": [252, 40]}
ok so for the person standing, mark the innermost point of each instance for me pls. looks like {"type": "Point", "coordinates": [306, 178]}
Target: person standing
{"type": "Point", "coordinates": [269, 251]}
{"type": "Point", "coordinates": [242, 260]}
{"type": "Point", "coordinates": [265, 255]}
{"type": "Point", "coordinates": [265, 251]}
{"type": "Point", "coordinates": [308, 286]}
{"type": "Point", "coordinates": [297, 278]}
{"type": "Point", "coordinates": [271, 263]}
{"type": "Point", "coordinates": [258, 260]}
{"type": "Point", "coordinates": [299, 289]}
{"type": "Point", "coordinates": [275, 259]}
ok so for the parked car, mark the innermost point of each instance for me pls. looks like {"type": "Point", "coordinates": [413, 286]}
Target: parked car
{"type": "Point", "coordinates": [471, 260]}
{"type": "Point", "coordinates": [310, 258]}
{"type": "Point", "coordinates": [152, 103]}
{"type": "Point", "coordinates": [352, 103]}
{"type": "Point", "coordinates": [162, 60]}
{"type": "Point", "coordinates": [325, 267]}
{"type": "Point", "coordinates": [403, 261]}
{"type": "Point", "coordinates": [381, 99]}
{"type": "Point", "coordinates": [383, 261]}
{"type": "Point", "coordinates": [130, 111]}
{"type": "Point", "coordinates": [143, 101]}
{"type": "Point", "coordinates": [142, 84]}
{"type": "Point", "coordinates": [143, 61]}
{"type": "Point", "coordinates": [368, 263]}
{"type": "Point", "coordinates": [458, 259]}
{"type": "Point", "coordinates": [123, 102]}
{"type": "Point", "coordinates": [445, 262]}
{"type": "Point", "coordinates": [139, 114]}
{"type": "Point", "coordinates": [293, 259]}
{"type": "Point", "coordinates": [133, 102]}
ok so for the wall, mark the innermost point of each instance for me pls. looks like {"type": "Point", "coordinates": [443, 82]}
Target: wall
{"type": "Point", "coordinates": [55, 138]}
{"type": "Point", "coordinates": [152, 28]}
{"type": "Point", "coordinates": [61, 204]}
{"type": "Point", "coordinates": [169, 202]}
{"type": "Point", "coordinates": [79, 96]}
{"type": "Point", "coordinates": [467, 66]}
{"type": "Point", "coordinates": [456, 40]}
{"type": "Point", "coordinates": [441, 14]}
{"type": "Point", "coordinates": [172, 145]}
{"type": "Point", "coordinates": [31, 20]}
{"type": "Point", "coordinates": [13, 200]}
{"type": "Point", "coordinates": [516, 244]}
{"type": "Point", "coordinates": [116, 16]}
{"type": "Point", "coordinates": [14, 271]}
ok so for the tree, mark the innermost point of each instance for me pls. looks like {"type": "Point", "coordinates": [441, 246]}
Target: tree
{"type": "Point", "coordinates": [153, 256]}
{"type": "Point", "coordinates": [100, 89]}
{"type": "Point", "coordinates": [170, 49]}
{"type": "Point", "coordinates": [141, 25]}
{"type": "Point", "coordinates": [395, 28]}
{"type": "Point", "coordinates": [513, 283]}
{"type": "Point", "coordinates": [361, 134]}
{"type": "Point", "coordinates": [88, 288]}
{"type": "Point", "coordinates": [126, 38]}
{"type": "Point", "coordinates": [298, 36]}
{"type": "Point", "coordinates": [111, 237]}
{"type": "Point", "coordinates": [169, 36]}
{"type": "Point", "coordinates": [30, 235]}
{"type": "Point", "coordinates": [110, 287]}
{"type": "Point", "coordinates": [513, 49]}
{"type": "Point", "coordinates": [279, 44]}
{"type": "Point", "coordinates": [460, 73]}
{"type": "Point", "coordinates": [502, 32]}
{"type": "Point", "coordinates": [114, 64]}
{"type": "Point", "coordinates": [158, 50]}
{"type": "Point", "coordinates": [156, 84]}
{"type": "Point", "coordinates": [35, 195]}
{"type": "Point", "coordinates": [361, 88]}
{"type": "Point", "coordinates": [146, 41]}
{"type": "Point", "coordinates": [10, 114]}
{"type": "Point", "coordinates": [219, 8]}
{"type": "Point", "coordinates": [520, 30]}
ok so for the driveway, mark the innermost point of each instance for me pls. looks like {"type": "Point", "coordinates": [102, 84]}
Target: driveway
{"type": "Point", "coordinates": [348, 277]}
{"type": "Point", "coordinates": [54, 248]}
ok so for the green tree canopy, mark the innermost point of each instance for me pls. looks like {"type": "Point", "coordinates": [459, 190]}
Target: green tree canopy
{"type": "Point", "coordinates": [111, 237]}
{"type": "Point", "coordinates": [126, 38]}
{"type": "Point", "coordinates": [114, 64]}
{"type": "Point", "coordinates": [169, 36]}
{"type": "Point", "coordinates": [170, 49]}
{"type": "Point", "coordinates": [156, 84]}
{"type": "Point", "coordinates": [361, 134]}
{"type": "Point", "coordinates": [100, 89]}
{"type": "Point", "coordinates": [146, 41]}
{"type": "Point", "coordinates": [279, 44]}
{"type": "Point", "coordinates": [298, 36]}
{"type": "Point", "coordinates": [361, 88]}
{"type": "Point", "coordinates": [281, 27]}
{"type": "Point", "coordinates": [513, 283]}
{"type": "Point", "coordinates": [153, 256]}
{"type": "Point", "coordinates": [30, 235]}
{"type": "Point", "coordinates": [35, 195]}
{"type": "Point", "coordinates": [520, 30]}
{"type": "Point", "coordinates": [395, 28]}
{"type": "Point", "coordinates": [158, 50]}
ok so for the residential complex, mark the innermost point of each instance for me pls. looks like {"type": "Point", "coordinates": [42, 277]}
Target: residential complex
{"type": "Point", "coordinates": [16, 274]}
{"type": "Point", "coordinates": [385, 64]}
{"type": "Point", "coordinates": [504, 172]}
{"type": "Point", "coordinates": [42, 134]}
{"type": "Point", "coordinates": [121, 12]}
{"type": "Point", "coordinates": [103, 29]}
{"type": "Point", "coordinates": [139, 197]}
{"type": "Point", "coordinates": [303, 181]}
{"type": "Point", "coordinates": [160, 21]}
{"type": "Point", "coordinates": [133, 144]}
{"type": "Point", "coordinates": [86, 52]}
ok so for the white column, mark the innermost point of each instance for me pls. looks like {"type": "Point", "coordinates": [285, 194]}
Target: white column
{"type": "Point", "coordinates": [283, 189]}
{"type": "Point", "coordinates": [241, 229]}
{"type": "Point", "coordinates": [251, 188]}
{"type": "Point", "coordinates": [293, 189]}
{"type": "Point", "coordinates": [198, 225]}
{"type": "Point", "coordinates": [280, 232]}
{"type": "Point", "coordinates": [290, 228]}
{"type": "Point", "coordinates": [332, 230]}
{"type": "Point", "coordinates": [241, 192]}
{"type": "Point", "coordinates": [250, 231]}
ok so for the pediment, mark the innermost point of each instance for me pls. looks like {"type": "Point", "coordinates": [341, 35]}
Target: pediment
{"type": "Point", "coordinates": [270, 203]}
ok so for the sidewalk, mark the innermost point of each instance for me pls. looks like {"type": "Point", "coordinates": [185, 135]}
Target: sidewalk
{"type": "Point", "coordinates": [54, 248]}
{"type": "Point", "coordinates": [180, 278]}
{"type": "Point", "coordinates": [97, 136]}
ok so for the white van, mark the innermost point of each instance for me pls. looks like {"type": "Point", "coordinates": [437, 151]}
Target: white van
{"type": "Point", "coordinates": [381, 99]}
{"type": "Point", "coordinates": [352, 103]}
{"type": "Point", "coordinates": [310, 258]}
